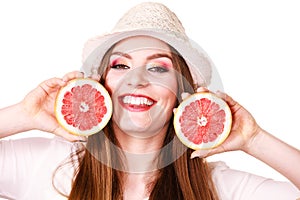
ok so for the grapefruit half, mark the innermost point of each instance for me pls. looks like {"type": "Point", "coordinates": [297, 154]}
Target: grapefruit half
{"type": "Point", "coordinates": [202, 121]}
{"type": "Point", "coordinates": [83, 107]}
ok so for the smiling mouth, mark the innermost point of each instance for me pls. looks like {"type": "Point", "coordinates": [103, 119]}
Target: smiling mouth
{"type": "Point", "coordinates": [136, 102]}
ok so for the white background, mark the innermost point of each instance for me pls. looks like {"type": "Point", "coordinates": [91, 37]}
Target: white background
{"type": "Point", "coordinates": [255, 46]}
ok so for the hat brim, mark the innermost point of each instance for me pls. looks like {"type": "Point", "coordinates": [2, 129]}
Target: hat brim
{"type": "Point", "coordinates": [196, 58]}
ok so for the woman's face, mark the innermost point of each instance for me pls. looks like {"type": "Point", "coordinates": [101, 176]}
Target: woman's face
{"type": "Point", "coordinates": [142, 82]}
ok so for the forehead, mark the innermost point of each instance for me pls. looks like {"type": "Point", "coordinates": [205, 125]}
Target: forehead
{"type": "Point", "coordinates": [141, 43]}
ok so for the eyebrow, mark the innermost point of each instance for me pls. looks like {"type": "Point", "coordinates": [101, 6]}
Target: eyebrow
{"type": "Point", "coordinates": [121, 54]}
{"type": "Point", "coordinates": [159, 55]}
{"type": "Point", "coordinates": [153, 56]}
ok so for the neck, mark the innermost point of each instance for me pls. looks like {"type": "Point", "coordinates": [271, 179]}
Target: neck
{"type": "Point", "coordinates": [141, 153]}
{"type": "Point", "coordinates": [137, 143]}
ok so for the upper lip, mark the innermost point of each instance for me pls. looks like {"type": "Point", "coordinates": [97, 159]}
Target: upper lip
{"type": "Point", "coordinates": [137, 99]}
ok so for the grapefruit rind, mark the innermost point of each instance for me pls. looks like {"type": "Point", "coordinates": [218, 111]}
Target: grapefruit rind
{"type": "Point", "coordinates": [227, 125]}
{"type": "Point", "coordinates": [58, 104]}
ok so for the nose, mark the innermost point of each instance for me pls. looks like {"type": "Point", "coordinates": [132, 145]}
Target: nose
{"type": "Point", "coordinates": [137, 78]}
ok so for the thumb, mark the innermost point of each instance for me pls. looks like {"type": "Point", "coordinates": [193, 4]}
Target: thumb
{"type": "Point", "coordinates": [68, 136]}
{"type": "Point", "coordinates": [203, 153]}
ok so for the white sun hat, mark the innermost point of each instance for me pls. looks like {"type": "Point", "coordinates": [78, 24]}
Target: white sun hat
{"type": "Point", "coordinates": [158, 21]}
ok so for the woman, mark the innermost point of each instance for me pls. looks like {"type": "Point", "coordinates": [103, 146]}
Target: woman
{"type": "Point", "coordinates": [146, 64]}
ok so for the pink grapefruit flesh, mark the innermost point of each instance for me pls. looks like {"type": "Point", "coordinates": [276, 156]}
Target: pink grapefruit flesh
{"type": "Point", "coordinates": [83, 107]}
{"type": "Point", "coordinates": [202, 121]}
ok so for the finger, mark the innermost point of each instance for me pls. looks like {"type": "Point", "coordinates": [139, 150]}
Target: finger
{"type": "Point", "coordinates": [207, 152]}
{"type": "Point", "coordinates": [52, 83]}
{"type": "Point", "coordinates": [202, 89]}
{"type": "Point", "coordinates": [185, 95]}
{"type": "Point", "coordinates": [231, 102]}
{"type": "Point", "coordinates": [68, 136]}
{"type": "Point", "coordinates": [72, 75]}
{"type": "Point", "coordinates": [95, 75]}
{"type": "Point", "coordinates": [174, 110]}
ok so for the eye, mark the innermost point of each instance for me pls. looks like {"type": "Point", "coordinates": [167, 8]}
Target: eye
{"type": "Point", "coordinates": [120, 67]}
{"type": "Point", "coordinates": [157, 68]}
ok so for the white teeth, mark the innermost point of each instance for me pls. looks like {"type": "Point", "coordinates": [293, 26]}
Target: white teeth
{"type": "Point", "coordinates": [137, 100]}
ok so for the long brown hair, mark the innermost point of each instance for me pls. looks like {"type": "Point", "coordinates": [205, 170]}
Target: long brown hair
{"type": "Point", "coordinates": [185, 178]}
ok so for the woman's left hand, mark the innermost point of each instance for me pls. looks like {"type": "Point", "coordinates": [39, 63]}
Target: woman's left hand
{"type": "Point", "coordinates": [243, 131]}
{"type": "Point", "coordinates": [247, 136]}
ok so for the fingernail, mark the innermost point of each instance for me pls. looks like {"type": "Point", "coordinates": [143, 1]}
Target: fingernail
{"type": "Point", "coordinates": [194, 155]}
{"type": "Point", "coordinates": [184, 95]}
{"type": "Point", "coordinates": [199, 153]}
{"type": "Point", "coordinates": [202, 89]}
{"type": "Point", "coordinates": [218, 92]}
{"type": "Point", "coordinates": [62, 83]}
{"type": "Point", "coordinates": [82, 138]}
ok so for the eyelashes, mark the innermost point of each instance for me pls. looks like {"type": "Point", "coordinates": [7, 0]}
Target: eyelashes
{"type": "Point", "coordinates": [119, 66]}
{"type": "Point", "coordinates": [156, 68]}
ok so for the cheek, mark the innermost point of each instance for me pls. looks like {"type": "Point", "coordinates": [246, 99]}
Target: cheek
{"type": "Point", "coordinates": [109, 85]}
{"type": "Point", "coordinates": [170, 91]}
{"type": "Point", "coordinates": [167, 96]}
{"type": "Point", "coordinates": [168, 86]}
{"type": "Point", "coordinates": [111, 82]}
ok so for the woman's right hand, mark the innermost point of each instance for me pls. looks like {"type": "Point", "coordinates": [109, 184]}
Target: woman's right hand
{"type": "Point", "coordinates": [39, 105]}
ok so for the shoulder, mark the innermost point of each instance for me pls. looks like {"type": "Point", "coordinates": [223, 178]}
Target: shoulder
{"type": "Point", "coordinates": [35, 143]}
{"type": "Point", "coordinates": [34, 151]}
{"type": "Point", "coordinates": [234, 184]}
{"type": "Point", "coordinates": [29, 164]}
{"type": "Point", "coordinates": [29, 151]}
